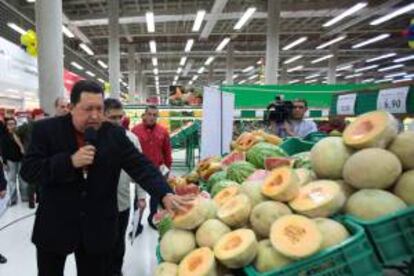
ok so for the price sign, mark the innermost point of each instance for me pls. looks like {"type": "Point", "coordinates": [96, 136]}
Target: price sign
{"type": "Point", "coordinates": [346, 104]}
{"type": "Point", "coordinates": [393, 100]}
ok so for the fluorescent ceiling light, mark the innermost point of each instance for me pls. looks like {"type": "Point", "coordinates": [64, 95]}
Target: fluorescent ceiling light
{"type": "Point", "coordinates": [242, 81]}
{"type": "Point", "coordinates": [150, 22]}
{"type": "Point", "coordinates": [383, 80]}
{"type": "Point", "coordinates": [190, 83]}
{"type": "Point", "coordinates": [201, 70]}
{"type": "Point", "coordinates": [87, 50]}
{"type": "Point", "coordinates": [157, 79]}
{"type": "Point", "coordinates": [312, 76]}
{"type": "Point", "coordinates": [295, 43]}
{"type": "Point", "coordinates": [154, 61]}
{"type": "Point", "coordinates": [381, 57]}
{"type": "Point", "coordinates": [247, 69]}
{"type": "Point", "coordinates": [176, 78]}
{"type": "Point", "coordinates": [366, 68]}
{"type": "Point", "coordinates": [189, 45]}
{"type": "Point", "coordinates": [390, 16]}
{"type": "Point", "coordinates": [399, 74]}
{"type": "Point", "coordinates": [346, 13]}
{"type": "Point", "coordinates": [67, 32]}
{"type": "Point", "coordinates": [402, 80]}
{"type": "Point", "coordinates": [311, 81]}
{"type": "Point", "coordinates": [182, 61]}
{"type": "Point", "coordinates": [294, 81]}
{"type": "Point", "coordinates": [344, 67]}
{"type": "Point", "coordinates": [16, 28]}
{"type": "Point", "coordinates": [259, 62]}
{"type": "Point", "coordinates": [300, 67]}
{"type": "Point", "coordinates": [155, 71]}
{"type": "Point", "coordinates": [292, 59]}
{"type": "Point", "coordinates": [209, 60]}
{"type": "Point", "coordinates": [409, 76]}
{"type": "Point", "coordinates": [403, 59]}
{"type": "Point", "coordinates": [179, 70]}
{"type": "Point", "coordinates": [371, 40]}
{"type": "Point", "coordinates": [195, 77]}
{"type": "Point", "coordinates": [235, 76]}
{"type": "Point", "coordinates": [330, 42]}
{"type": "Point", "coordinates": [90, 73]}
{"type": "Point", "coordinates": [353, 76]}
{"type": "Point", "coordinates": [153, 46]}
{"type": "Point", "coordinates": [174, 82]}
{"type": "Point", "coordinates": [253, 77]}
{"type": "Point", "coordinates": [30, 1]}
{"type": "Point", "coordinates": [102, 64]}
{"type": "Point", "coordinates": [247, 14]}
{"type": "Point", "coordinates": [101, 80]}
{"type": "Point", "coordinates": [322, 58]}
{"type": "Point", "coordinates": [392, 67]}
{"type": "Point", "coordinates": [76, 65]}
{"type": "Point", "coordinates": [368, 80]}
{"type": "Point", "coordinates": [199, 20]}
{"type": "Point", "coordinates": [223, 44]}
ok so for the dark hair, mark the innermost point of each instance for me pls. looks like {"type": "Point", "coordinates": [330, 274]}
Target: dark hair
{"type": "Point", "coordinates": [150, 107]}
{"type": "Point", "coordinates": [112, 103]}
{"type": "Point", "coordinates": [6, 120]}
{"type": "Point", "coordinates": [83, 86]}
{"type": "Point", "coordinates": [305, 102]}
{"type": "Point", "coordinates": [57, 100]}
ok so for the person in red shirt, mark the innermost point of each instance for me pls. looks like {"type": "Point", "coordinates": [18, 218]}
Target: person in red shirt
{"type": "Point", "coordinates": [156, 146]}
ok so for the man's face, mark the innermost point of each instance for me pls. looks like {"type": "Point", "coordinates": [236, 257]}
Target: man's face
{"type": "Point", "coordinates": [114, 116]}
{"type": "Point", "coordinates": [88, 112]}
{"type": "Point", "coordinates": [62, 108]}
{"type": "Point", "coordinates": [299, 110]}
{"type": "Point", "coordinates": [150, 117]}
{"type": "Point", "coordinates": [11, 126]}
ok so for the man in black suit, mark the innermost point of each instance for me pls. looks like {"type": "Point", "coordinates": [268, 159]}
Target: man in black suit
{"type": "Point", "coordinates": [78, 181]}
{"type": "Point", "coordinates": [3, 190]}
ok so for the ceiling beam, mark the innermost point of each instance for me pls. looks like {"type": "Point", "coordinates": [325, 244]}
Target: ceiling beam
{"type": "Point", "coordinates": [216, 11]}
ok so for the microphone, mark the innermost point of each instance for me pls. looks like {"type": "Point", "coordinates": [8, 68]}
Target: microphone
{"type": "Point", "coordinates": [91, 135]}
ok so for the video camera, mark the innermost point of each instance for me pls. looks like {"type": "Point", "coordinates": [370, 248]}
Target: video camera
{"type": "Point", "coordinates": [279, 110]}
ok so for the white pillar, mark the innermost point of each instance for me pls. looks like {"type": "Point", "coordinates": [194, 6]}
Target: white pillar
{"type": "Point", "coordinates": [283, 75]}
{"type": "Point", "coordinates": [131, 73]}
{"type": "Point", "coordinates": [272, 41]}
{"type": "Point", "coordinates": [210, 74]}
{"type": "Point", "coordinates": [50, 52]}
{"type": "Point", "coordinates": [139, 78]}
{"type": "Point", "coordinates": [333, 63]}
{"type": "Point", "coordinates": [114, 52]}
{"type": "Point", "coordinates": [229, 65]}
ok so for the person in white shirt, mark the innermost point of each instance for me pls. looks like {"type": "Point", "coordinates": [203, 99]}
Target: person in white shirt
{"type": "Point", "coordinates": [113, 111]}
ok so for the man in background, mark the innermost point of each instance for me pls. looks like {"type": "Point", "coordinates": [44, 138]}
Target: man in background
{"type": "Point", "coordinates": [156, 146]}
{"type": "Point", "coordinates": [3, 190]}
{"type": "Point", "coordinates": [61, 106]}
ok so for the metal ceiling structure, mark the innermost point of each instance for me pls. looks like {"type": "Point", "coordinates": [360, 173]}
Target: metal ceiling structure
{"type": "Point", "coordinates": [174, 19]}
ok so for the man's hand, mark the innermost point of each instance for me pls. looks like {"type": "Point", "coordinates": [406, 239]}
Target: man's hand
{"type": "Point", "coordinates": [2, 194]}
{"type": "Point", "coordinates": [174, 203]}
{"type": "Point", "coordinates": [142, 203]}
{"type": "Point", "coordinates": [84, 156]}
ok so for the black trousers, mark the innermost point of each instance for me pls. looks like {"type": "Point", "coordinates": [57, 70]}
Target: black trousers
{"type": "Point", "coordinates": [52, 264]}
{"type": "Point", "coordinates": [119, 252]}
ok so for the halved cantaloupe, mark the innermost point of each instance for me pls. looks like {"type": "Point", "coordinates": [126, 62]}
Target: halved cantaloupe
{"type": "Point", "coordinates": [403, 147]}
{"type": "Point", "coordinates": [405, 187]}
{"type": "Point", "coordinates": [269, 138]}
{"type": "Point", "coordinates": [305, 176]}
{"type": "Point", "coordinates": [268, 258]}
{"type": "Point", "coordinates": [333, 233]}
{"type": "Point", "coordinates": [235, 212]}
{"type": "Point", "coordinates": [166, 269]}
{"type": "Point", "coordinates": [210, 207]}
{"type": "Point", "coordinates": [246, 141]}
{"type": "Point", "coordinates": [175, 244]}
{"type": "Point", "coordinates": [237, 248]}
{"type": "Point", "coordinates": [200, 262]}
{"type": "Point", "coordinates": [320, 198]}
{"type": "Point", "coordinates": [372, 129]}
{"type": "Point", "coordinates": [227, 193]}
{"type": "Point", "coordinates": [264, 214]}
{"type": "Point", "coordinates": [253, 189]}
{"type": "Point", "coordinates": [295, 236]}
{"type": "Point", "coordinates": [194, 215]}
{"type": "Point", "coordinates": [282, 184]}
{"type": "Point", "coordinates": [210, 232]}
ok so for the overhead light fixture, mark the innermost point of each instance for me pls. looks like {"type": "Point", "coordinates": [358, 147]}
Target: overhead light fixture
{"type": "Point", "coordinates": [292, 59]}
{"type": "Point", "coordinates": [402, 80]}
{"type": "Point", "coordinates": [182, 61]}
{"type": "Point", "coordinates": [311, 81]}
{"type": "Point", "coordinates": [235, 76]}
{"type": "Point", "coordinates": [189, 45]}
{"type": "Point", "coordinates": [190, 82]}
{"type": "Point", "coordinates": [312, 76]}
{"type": "Point", "coordinates": [179, 70]}
{"type": "Point", "coordinates": [295, 43]}
{"type": "Point", "coordinates": [154, 62]}
{"type": "Point", "coordinates": [253, 77]}
{"type": "Point", "coordinates": [247, 14]}
{"type": "Point", "coordinates": [150, 22]}
{"type": "Point", "coordinates": [223, 44]}
{"type": "Point", "coordinates": [76, 65]}
{"type": "Point", "coordinates": [403, 59]}
{"type": "Point", "coordinates": [394, 75]}
{"type": "Point", "coordinates": [331, 42]}
{"type": "Point", "coordinates": [389, 68]}
{"type": "Point", "coordinates": [371, 40]}
{"type": "Point", "coordinates": [155, 70]}
{"type": "Point", "coordinates": [383, 80]}
{"type": "Point", "coordinates": [157, 79]}
{"type": "Point", "coordinates": [247, 69]}
{"type": "Point", "coordinates": [209, 60]}
{"type": "Point", "coordinates": [366, 68]}
{"type": "Point", "coordinates": [176, 78]}
{"type": "Point", "coordinates": [198, 20]}
{"type": "Point", "coordinates": [101, 80]}
{"type": "Point", "coordinates": [368, 80]}
{"type": "Point", "coordinates": [153, 46]}
{"type": "Point", "coordinates": [259, 62]}
{"type": "Point", "coordinates": [294, 81]}
{"type": "Point", "coordinates": [381, 57]}
{"type": "Point", "coordinates": [346, 13]}
{"type": "Point", "coordinates": [322, 58]}
{"type": "Point", "coordinates": [85, 48]}
{"type": "Point", "coordinates": [297, 68]}
{"type": "Point", "coordinates": [352, 76]}
{"type": "Point", "coordinates": [195, 77]}
{"type": "Point", "coordinates": [174, 83]}
{"type": "Point", "coordinates": [16, 28]}
{"type": "Point", "coordinates": [102, 64]}
{"type": "Point", "coordinates": [344, 67]}
{"type": "Point", "coordinates": [201, 70]}
{"type": "Point", "coordinates": [30, 1]}
{"type": "Point", "coordinates": [90, 73]}
{"type": "Point", "coordinates": [390, 16]}
{"type": "Point", "coordinates": [67, 32]}
{"type": "Point", "coordinates": [242, 81]}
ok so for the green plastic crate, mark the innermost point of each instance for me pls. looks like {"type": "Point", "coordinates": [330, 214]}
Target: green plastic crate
{"type": "Point", "coordinates": [391, 236]}
{"type": "Point", "coordinates": [315, 137]}
{"type": "Point", "coordinates": [353, 257]}
{"type": "Point", "coordinates": [295, 145]}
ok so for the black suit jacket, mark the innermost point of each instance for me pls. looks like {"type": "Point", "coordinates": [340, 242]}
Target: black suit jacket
{"type": "Point", "coordinates": [74, 211]}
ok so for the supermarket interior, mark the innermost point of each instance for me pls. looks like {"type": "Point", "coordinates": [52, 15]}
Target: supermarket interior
{"type": "Point", "coordinates": [206, 138]}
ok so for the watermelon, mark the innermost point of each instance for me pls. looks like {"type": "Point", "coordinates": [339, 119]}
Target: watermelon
{"type": "Point", "coordinates": [239, 171]}
{"type": "Point", "coordinates": [216, 177]}
{"type": "Point", "coordinates": [257, 175]}
{"type": "Point", "coordinates": [221, 185]}
{"type": "Point", "coordinates": [302, 160]}
{"type": "Point", "coordinates": [260, 152]}
{"type": "Point", "coordinates": [233, 157]}
{"type": "Point", "coordinates": [165, 224]}
{"type": "Point", "coordinates": [276, 162]}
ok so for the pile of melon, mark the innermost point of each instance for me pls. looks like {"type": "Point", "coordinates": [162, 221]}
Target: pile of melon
{"type": "Point", "coordinates": [283, 215]}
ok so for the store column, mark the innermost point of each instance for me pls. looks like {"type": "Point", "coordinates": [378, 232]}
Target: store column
{"type": "Point", "coordinates": [50, 52]}
{"type": "Point", "coordinates": [333, 63]}
{"type": "Point", "coordinates": [210, 77]}
{"type": "Point", "coordinates": [283, 75]}
{"type": "Point", "coordinates": [114, 52]}
{"type": "Point", "coordinates": [131, 73]}
{"type": "Point", "coordinates": [272, 41]}
{"type": "Point", "coordinates": [229, 64]}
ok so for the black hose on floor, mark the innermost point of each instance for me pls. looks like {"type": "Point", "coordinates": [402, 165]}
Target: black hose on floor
{"type": "Point", "coordinates": [16, 221]}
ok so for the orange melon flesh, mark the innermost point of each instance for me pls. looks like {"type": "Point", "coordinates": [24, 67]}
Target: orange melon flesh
{"type": "Point", "coordinates": [246, 141]}
{"type": "Point", "coordinates": [195, 215]}
{"type": "Point", "coordinates": [166, 269]}
{"type": "Point", "coordinates": [199, 262]}
{"type": "Point", "coordinates": [295, 236]}
{"type": "Point", "coordinates": [235, 212]}
{"type": "Point", "coordinates": [320, 198]}
{"type": "Point", "coordinates": [282, 184]}
{"type": "Point", "coordinates": [224, 195]}
{"type": "Point", "coordinates": [372, 129]}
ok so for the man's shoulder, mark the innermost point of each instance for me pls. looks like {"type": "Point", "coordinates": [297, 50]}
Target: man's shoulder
{"type": "Point", "coordinates": [161, 129]}
{"type": "Point", "coordinates": [49, 123]}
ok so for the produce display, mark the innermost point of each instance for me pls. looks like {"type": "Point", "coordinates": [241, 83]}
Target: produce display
{"type": "Point", "coordinates": [272, 217]}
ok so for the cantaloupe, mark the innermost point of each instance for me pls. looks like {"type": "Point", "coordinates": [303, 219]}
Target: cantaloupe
{"type": "Point", "coordinates": [253, 189]}
{"type": "Point", "coordinates": [237, 248]}
{"type": "Point", "coordinates": [236, 211]}
{"type": "Point", "coordinates": [328, 157]}
{"type": "Point", "coordinates": [372, 129]}
{"type": "Point", "coordinates": [200, 262]}
{"type": "Point", "coordinates": [403, 147]}
{"type": "Point", "coordinates": [175, 244]}
{"type": "Point", "coordinates": [405, 187]}
{"type": "Point", "coordinates": [210, 232]}
{"type": "Point", "coordinates": [264, 214]}
{"type": "Point", "coordinates": [346, 188]}
{"type": "Point", "coordinates": [268, 258]}
{"type": "Point", "coordinates": [166, 269]}
{"type": "Point", "coordinates": [247, 140]}
{"type": "Point", "coordinates": [372, 168]}
{"type": "Point", "coordinates": [333, 233]}
{"type": "Point", "coordinates": [194, 215]}
{"type": "Point", "coordinates": [305, 176]}
{"type": "Point", "coordinates": [295, 236]}
{"type": "Point", "coordinates": [282, 184]}
{"type": "Point", "coordinates": [210, 207]}
{"type": "Point", "coordinates": [321, 198]}
{"type": "Point", "coordinates": [224, 195]}
{"type": "Point", "coordinates": [370, 204]}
